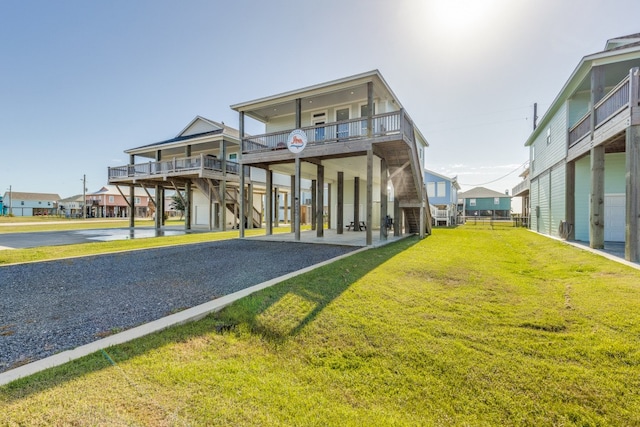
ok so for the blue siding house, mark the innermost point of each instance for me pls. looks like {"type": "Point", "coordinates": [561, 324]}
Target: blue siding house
{"type": "Point", "coordinates": [482, 202]}
{"type": "Point", "coordinates": [443, 197]}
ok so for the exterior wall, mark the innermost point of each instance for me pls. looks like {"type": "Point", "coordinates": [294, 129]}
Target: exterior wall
{"type": "Point", "coordinates": [578, 107]}
{"type": "Point", "coordinates": [488, 204]}
{"type": "Point", "coordinates": [614, 185]}
{"type": "Point", "coordinates": [551, 144]}
{"type": "Point", "coordinates": [557, 197]}
{"type": "Point", "coordinates": [436, 198]}
{"type": "Point", "coordinates": [534, 200]}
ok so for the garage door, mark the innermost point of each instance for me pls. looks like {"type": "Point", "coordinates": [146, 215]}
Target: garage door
{"type": "Point", "coordinates": [614, 217]}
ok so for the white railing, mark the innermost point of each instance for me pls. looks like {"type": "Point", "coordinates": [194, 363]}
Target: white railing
{"type": "Point", "coordinates": [174, 166]}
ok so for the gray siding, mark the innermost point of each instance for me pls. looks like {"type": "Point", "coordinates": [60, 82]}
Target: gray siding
{"type": "Point", "coordinates": [534, 201]}
{"type": "Point", "coordinates": [544, 194]}
{"type": "Point", "coordinates": [583, 186]}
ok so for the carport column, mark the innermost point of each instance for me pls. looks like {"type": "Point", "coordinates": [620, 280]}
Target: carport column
{"type": "Point", "coordinates": [243, 204]}
{"type": "Point", "coordinates": [293, 204]}
{"type": "Point", "coordinates": [397, 218]}
{"type": "Point", "coordinates": [242, 178]}
{"type": "Point", "coordinates": [314, 203]}
{"type": "Point", "coordinates": [188, 198]}
{"type": "Point", "coordinates": [356, 203]}
{"type": "Point", "coordinates": [276, 207]}
{"type": "Point", "coordinates": [158, 195]}
{"type": "Point", "coordinates": [269, 202]}
{"type": "Point", "coordinates": [250, 204]}
{"type": "Point", "coordinates": [328, 205]}
{"type": "Point", "coordinates": [369, 230]}
{"type": "Point", "coordinates": [340, 207]}
{"type": "Point", "coordinates": [222, 209]}
{"type": "Point", "coordinates": [596, 200]}
{"type": "Point", "coordinates": [632, 229]}
{"type": "Point", "coordinates": [132, 210]}
{"type": "Point", "coordinates": [320, 201]}
{"type": "Point", "coordinates": [296, 207]}
{"type": "Point", "coordinates": [384, 178]}
{"type": "Point", "coordinates": [570, 199]}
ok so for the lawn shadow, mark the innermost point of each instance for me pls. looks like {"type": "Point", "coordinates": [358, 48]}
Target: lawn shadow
{"type": "Point", "coordinates": [276, 313]}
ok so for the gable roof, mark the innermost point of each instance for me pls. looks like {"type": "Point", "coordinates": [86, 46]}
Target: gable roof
{"type": "Point", "coordinates": [76, 198]}
{"type": "Point", "coordinates": [481, 193]}
{"type": "Point", "coordinates": [197, 128]}
{"type": "Point", "coordinates": [454, 180]}
{"type": "Point", "coordinates": [112, 190]}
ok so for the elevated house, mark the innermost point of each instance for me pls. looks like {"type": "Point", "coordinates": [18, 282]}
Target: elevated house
{"type": "Point", "coordinates": [522, 190]}
{"type": "Point", "coordinates": [353, 140]}
{"type": "Point", "coordinates": [71, 207]}
{"type": "Point", "coordinates": [443, 197]}
{"type": "Point", "coordinates": [483, 202]}
{"type": "Point", "coordinates": [30, 204]}
{"type": "Point", "coordinates": [585, 152]}
{"type": "Point", "coordinates": [110, 202]}
{"type": "Point", "coordinates": [200, 165]}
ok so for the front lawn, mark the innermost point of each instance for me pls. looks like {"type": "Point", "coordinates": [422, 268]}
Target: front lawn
{"type": "Point", "coordinates": [471, 326]}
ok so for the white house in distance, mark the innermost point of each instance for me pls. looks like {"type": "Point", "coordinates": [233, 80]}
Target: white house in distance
{"type": "Point", "coordinates": [201, 165]}
{"type": "Point", "coordinates": [585, 153]}
{"type": "Point", "coordinates": [30, 204]}
{"type": "Point", "coordinates": [350, 136]}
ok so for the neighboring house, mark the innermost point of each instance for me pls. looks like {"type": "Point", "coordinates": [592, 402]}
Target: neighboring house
{"type": "Point", "coordinates": [443, 197]}
{"type": "Point", "coordinates": [2, 212]}
{"type": "Point", "coordinates": [31, 204]}
{"type": "Point", "coordinates": [585, 152]}
{"type": "Point", "coordinates": [108, 202]}
{"type": "Point", "coordinates": [482, 202]}
{"type": "Point", "coordinates": [522, 190]}
{"type": "Point", "coordinates": [202, 163]}
{"type": "Point", "coordinates": [71, 207]}
{"type": "Point", "coordinates": [336, 134]}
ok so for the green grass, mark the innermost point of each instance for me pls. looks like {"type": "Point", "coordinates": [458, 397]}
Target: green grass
{"type": "Point", "coordinates": [471, 326]}
{"type": "Point", "coordinates": [51, 223]}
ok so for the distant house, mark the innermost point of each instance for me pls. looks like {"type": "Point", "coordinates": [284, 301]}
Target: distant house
{"type": "Point", "coordinates": [31, 204]}
{"type": "Point", "coordinates": [108, 202]}
{"type": "Point", "coordinates": [2, 212]}
{"type": "Point", "coordinates": [522, 190]}
{"type": "Point", "coordinates": [71, 207]}
{"type": "Point", "coordinates": [443, 197]}
{"type": "Point", "coordinates": [483, 202]}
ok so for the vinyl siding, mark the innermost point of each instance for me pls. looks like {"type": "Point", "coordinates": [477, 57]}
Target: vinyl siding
{"type": "Point", "coordinates": [534, 201]}
{"type": "Point", "coordinates": [543, 203]}
{"type": "Point", "coordinates": [557, 197]}
{"type": "Point", "coordinates": [547, 155]}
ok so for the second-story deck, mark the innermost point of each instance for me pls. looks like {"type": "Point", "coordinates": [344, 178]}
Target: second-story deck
{"type": "Point", "coordinates": [177, 168]}
{"type": "Point", "coordinates": [331, 139]}
{"type": "Point", "coordinates": [608, 119]}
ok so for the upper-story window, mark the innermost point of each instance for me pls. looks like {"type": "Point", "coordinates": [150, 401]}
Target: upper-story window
{"type": "Point", "coordinates": [441, 190]}
{"type": "Point", "coordinates": [431, 189]}
{"type": "Point", "coordinates": [112, 199]}
{"type": "Point", "coordinates": [496, 200]}
{"type": "Point", "coordinates": [472, 202]}
{"type": "Point", "coordinates": [137, 200]}
{"type": "Point", "coordinates": [233, 156]}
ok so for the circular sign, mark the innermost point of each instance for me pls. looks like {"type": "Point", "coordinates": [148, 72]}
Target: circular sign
{"type": "Point", "coordinates": [297, 141]}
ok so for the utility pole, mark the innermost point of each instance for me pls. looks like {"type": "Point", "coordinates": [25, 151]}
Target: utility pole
{"type": "Point", "coordinates": [535, 115]}
{"type": "Point", "coordinates": [84, 196]}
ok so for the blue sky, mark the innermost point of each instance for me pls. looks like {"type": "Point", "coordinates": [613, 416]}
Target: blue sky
{"type": "Point", "coordinates": [81, 81]}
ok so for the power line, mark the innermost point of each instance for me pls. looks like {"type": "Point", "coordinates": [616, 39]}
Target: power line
{"type": "Point", "coordinates": [497, 179]}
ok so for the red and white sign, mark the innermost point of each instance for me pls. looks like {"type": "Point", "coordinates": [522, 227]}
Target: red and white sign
{"type": "Point", "coordinates": [297, 141]}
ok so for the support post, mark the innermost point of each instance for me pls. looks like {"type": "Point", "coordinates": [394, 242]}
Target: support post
{"type": "Point", "coordinates": [276, 207]}
{"type": "Point", "coordinates": [250, 204]}
{"type": "Point", "coordinates": [269, 202]}
{"type": "Point", "coordinates": [570, 199]}
{"type": "Point", "coordinates": [293, 204]}
{"type": "Point", "coordinates": [383, 199]}
{"type": "Point", "coordinates": [223, 184]}
{"type": "Point", "coordinates": [320, 201]}
{"type": "Point", "coordinates": [340, 206]}
{"type": "Point", "coordinates": [132, 208]}
{"type": "Point", "coordinates": [356, 203]}
{"type": "Point", "coordinates": [314, 203]}
{"type": "Point", "coordinates": [296, 210]}
{"type": "Point", "coordinates": [243, 205]}
{"type": "Point", "coordinates": [329, 201]}
{"type": "Point", "coordinates": [369, 230]}
{"type": "Point", "coordinates": [187, 209]}
{"type": "Point", "coordinates": [596, 222]}
{"type": "Point", "coordinates": [632, 228]}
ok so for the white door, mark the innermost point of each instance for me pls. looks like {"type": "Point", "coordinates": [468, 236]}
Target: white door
{"type": "Point", "coordinates": [614, 217]}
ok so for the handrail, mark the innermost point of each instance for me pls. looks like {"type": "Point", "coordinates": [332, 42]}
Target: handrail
{"type": "Point", "coordinates": [615, 100]}
{"type": "Point", "coordinates": [580, 129]}
{"type": "Point", "coordinates": [347, 130]}
{"type": "Point", "coordinates": [175, 165]}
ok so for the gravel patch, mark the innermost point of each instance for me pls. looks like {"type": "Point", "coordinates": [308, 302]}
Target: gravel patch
{"type": "Point", "coordinates": [52, 306]}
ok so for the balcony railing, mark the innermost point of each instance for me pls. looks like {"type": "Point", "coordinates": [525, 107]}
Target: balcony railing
{"type": "Point", "coordinates": [394, 123]}
{"type": "Point", "coordinates": [523, 186]}
{"type": "Point", "coordinates": [175, 166]}
{"type": "Point", "coordinates": [612, 104]}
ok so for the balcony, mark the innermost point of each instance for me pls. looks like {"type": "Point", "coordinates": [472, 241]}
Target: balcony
{"type": "Point", "coordinates": [384, 127]}
{"type": "Point", "coordinates": [520, 189]}
{"type": "Point", "coordinates": [201, 166]}
{"type": "Point", "coordinates": [610, 116]}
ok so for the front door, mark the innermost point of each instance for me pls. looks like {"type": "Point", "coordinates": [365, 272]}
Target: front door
{"type": "Point", "coordinates": [342, 115]}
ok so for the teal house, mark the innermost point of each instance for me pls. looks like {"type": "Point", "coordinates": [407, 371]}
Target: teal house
{"type": "Point", "coordinates": [483, 202]}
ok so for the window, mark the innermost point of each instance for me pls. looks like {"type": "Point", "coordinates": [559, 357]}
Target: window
{"type": "Point", "coordinates": [319, 119]}
{"type": "Point", "coordinates": [472, 202]}
{"type": "Point", "coordinates": [233, 156]}
{"type": "Point", "coordinates": [137, 200]}
{"type": "Point", "coordinates": [441, 191]}
{"type": "Point", "coordinates": [496, 200]}
{"type": "Point", "coordinates": [112, 199]}
{"type": "Point", "coordinates": [431, 189]}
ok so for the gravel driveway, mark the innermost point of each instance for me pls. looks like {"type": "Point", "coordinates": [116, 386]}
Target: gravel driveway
{"type": "Point", "coordinates": [52, 306]}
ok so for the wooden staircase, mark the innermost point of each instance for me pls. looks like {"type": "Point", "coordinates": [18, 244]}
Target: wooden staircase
{"type": "Point", "coordinates": [210, 188]}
